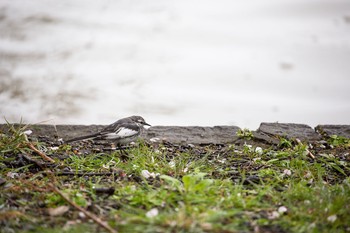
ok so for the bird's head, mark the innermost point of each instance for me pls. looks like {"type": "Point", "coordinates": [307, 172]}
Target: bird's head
{"type": "Point", "coordinates": [139, 120]}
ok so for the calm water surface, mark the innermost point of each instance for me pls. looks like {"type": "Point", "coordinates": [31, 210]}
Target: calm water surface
{"type": "Point", "coordinates": [175, 62]}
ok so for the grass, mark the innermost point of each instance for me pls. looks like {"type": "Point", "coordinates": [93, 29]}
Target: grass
{"type": "Point", "coordinates": [169, 188]}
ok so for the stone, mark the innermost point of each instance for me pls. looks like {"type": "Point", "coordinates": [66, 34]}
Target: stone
{"type": "Point", "coordinates": [172, 134]}
{"type": "Point", "coordinates": [290, 131]}
{"type": "Point", "coordinates": [194, 134]}
{"type": "Point", "coordinates": [260, 136]}
{"type": "Point", "coordinates": [58, 131]}
{"type": "Point", "coordinates": [329, 130]}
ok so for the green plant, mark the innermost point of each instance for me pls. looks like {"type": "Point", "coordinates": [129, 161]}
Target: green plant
{"type": "Point", "coordinates": [337, 141]}
{"type": "Point", "coordinates": [245, 134]}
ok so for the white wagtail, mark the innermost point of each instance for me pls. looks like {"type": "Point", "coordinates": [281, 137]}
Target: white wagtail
{"type": "Point", "coordinates": [121, 132]}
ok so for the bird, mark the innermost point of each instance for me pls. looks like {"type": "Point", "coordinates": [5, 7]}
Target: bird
{"type": "Point", "coordinates": [121, 132]}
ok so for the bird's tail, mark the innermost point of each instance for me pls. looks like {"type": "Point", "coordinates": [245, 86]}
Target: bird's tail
{"type": "Point", "coordinates": [91, 136]}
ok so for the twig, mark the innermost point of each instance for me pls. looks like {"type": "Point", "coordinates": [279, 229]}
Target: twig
{"type": "Point", "coordinates": [106, 190]}
{"type": "Point", "coordinates": [85, 173]}
{"type": "Point", "coordinates": [43, 155]}
{"type": "Point", "coordinates": [30, 159]}
{"type": "Point", "coordinates": [88, 214]}
{"type": "Point", "coordinates": [307, 150]}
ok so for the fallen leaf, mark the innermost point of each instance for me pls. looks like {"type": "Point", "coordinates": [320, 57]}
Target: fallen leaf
{"type": "Point", "coordinates": [58, 211]}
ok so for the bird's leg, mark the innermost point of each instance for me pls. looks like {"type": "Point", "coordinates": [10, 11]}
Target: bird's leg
{"type": "Point", "coordinates": [109, 146]}
{"type": "Point", "coordinates": [113, 147]}
{"type": "Point", "coordinates": [123, 153]}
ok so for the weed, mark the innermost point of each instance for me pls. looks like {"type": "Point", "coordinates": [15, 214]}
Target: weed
{"type": "Point", "coordinates": [338, 141]}
{"type": "Point", "coordinates": [178, 189]}
{"type": "Point", "coordinates": [245, 134]}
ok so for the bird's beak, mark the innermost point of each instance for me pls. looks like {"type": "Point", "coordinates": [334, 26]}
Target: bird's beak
{"type": "Point", "coordinates": [146, 124]}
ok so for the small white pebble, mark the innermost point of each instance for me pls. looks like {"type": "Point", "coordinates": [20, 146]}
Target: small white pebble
{"type": "Point", "coordinates": [332, 218]}
{"type": "Point", "coordinates": [147, 174]}
{"type": "Point", "coordinates": [282, 209]}
{"type": "Point", "coordinates": [310, 181]}
{"type": "Point", "coordinates": [273, 215]}
{"type": "Point", "coordinates": [12, 175]}
{"type": "Point", "coordinates": [257, 159]}
{"type": "Point", "coordinates": [259, 150]}
{"type": "Point", "coordinates": [312, 225]}
{"type": "Point", "coordinates": [54, 148]}
{"type": "Point", "coordinates": [81, 215]}
{"type": "Point", "coordinates": [222, 161]}
{"type": "Point", "coordinates": [287, 172]}
{"type": "Point", "coordinates": [157, 151]}
{"type": "Point", "coordinates": [152, 213]}
{"type": "Point", "coordinates": [308, 174]}
{"type": "Point", "coordinates": [191, 145]}
{"type": "Point", "coordinates": [28, 132]}
{"type": "Point", "coordinates": [154, 140]}
{"type": "Point", "coordinates": [172, 164]}
{"type": "Point", "coordinates": [307, 202]}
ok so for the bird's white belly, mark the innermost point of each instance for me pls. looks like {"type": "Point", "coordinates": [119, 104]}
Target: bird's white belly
{"type": "Point", "coordinates": [122, 133]}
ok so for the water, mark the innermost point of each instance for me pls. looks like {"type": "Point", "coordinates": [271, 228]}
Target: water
{"type": "Point", "coordinates": [175, 62]}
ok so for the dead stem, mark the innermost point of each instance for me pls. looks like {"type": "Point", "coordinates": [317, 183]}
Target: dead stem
{"type": "Point", "coordinates": [307, 150]}
{"type": "Point", "coordinates": [88, 214]}
{"type": "Point", "coordinates": [40, 164]}
{"type": "Point", "coordinates": [43, 155]}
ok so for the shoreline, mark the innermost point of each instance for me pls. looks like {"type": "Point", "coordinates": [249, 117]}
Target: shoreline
{"type": "Point", "coordinates": [267, 132]}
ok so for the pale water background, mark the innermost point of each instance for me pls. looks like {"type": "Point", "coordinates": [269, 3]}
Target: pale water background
{"type": "Point", "coordinates": [184, 62]}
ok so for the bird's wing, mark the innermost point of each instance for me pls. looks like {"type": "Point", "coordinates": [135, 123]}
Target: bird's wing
{"type": "Point", "coordinates": [114, 126]}
{"type": "Point", "coordinates": [122, 131]}
{"type": "Point", "coordinates": [110, 128]}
